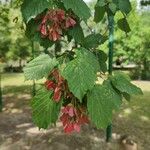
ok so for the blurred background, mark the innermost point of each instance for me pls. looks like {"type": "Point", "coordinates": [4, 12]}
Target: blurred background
{"type": "Point", "coordinates": [131, 55]}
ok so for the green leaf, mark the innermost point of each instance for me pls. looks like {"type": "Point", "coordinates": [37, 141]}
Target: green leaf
{"type": "Point", "coordinates": [102, 58]}
{"type": "Point", "coordinates": [100, 102]}
{"type": "Point", "coordinates": [45, 42]}
{"type": "Point", "coordinates": [79, 7]}
{"type": "Point", "coordinates": [126, 96]}
{"type": "Point", "coordinates": [77, 33]}
{"type": "Point", "coordinates": [92, 41]}
{"type": "Point", "coordinates": [101, 3]}
{"type": "Point", "coordinates": [31, 8]}
{"type": "Point", "coordinates": [32, 28]}
{"type": "Point", "coordinates": [121, 83]}
{"type": "Point", "coordinates": [116, 95]}
{"type": "Point", "coordinates": [113, 7]}
{"type": "Point", "coordinates": [124, 6]}
{"type": "Point", "coordinates": [39, 67]}
{"type": "Point", "coordinates": [99, 13]}
{"type": "Point", "coordinates": [103, 67]}
{"type": "Point", "coordinates": [44, 110]}
{"type": "Point", "coordinates": [123, 25]}
{"type": "Point", "coordinates": [80, 73]}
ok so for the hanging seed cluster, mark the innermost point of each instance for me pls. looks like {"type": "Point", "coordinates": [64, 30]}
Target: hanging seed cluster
{"type": "Point", "coordinates": [73, 113]}
{"type": "Point", "coordinates": [54, 23]}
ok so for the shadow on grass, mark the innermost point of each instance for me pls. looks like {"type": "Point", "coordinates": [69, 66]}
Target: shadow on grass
{"type": "Point", "coordinates": [134, 119]}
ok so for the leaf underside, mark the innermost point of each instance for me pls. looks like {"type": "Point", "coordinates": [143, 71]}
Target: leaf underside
{"type": "Point", "coordinates": [101, 103]}
{"type": "Point", "coordinates": [44, 110]}
{"type": "Point", "coordinates": [39, 67]}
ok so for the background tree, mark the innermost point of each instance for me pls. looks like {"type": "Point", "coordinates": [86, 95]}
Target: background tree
{"type": "Point", "coordinates": [14, 45]}
{"type": "Point", "coordinates": [4, 31]}
{"type": "Point", "coordinates": [136, 48]}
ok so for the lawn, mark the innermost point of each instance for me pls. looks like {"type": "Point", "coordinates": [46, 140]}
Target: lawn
{"type": "Point", "coordinates": [133, 119]}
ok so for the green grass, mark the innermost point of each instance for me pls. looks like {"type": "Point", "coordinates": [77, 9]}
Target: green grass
{"type": "Point", "coordinates": [134, 119]}
{"type": "Point", "coordinates": [14, 79]}
{"type": "Point", "coordinates": [138, 108]}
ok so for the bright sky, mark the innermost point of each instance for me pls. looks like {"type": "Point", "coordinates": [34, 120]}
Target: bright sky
{"type": "Point", "coordinates": [87, 0]}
